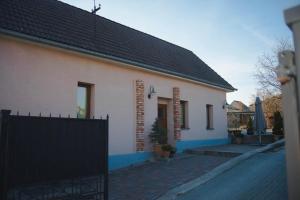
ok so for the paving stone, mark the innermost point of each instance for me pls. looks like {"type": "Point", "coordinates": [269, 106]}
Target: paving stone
{"type": "Point", "coordinates": [153, 179]}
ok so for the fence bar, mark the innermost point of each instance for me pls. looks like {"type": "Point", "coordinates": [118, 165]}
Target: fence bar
{"type": "Point", "coordinates": [4, 117]}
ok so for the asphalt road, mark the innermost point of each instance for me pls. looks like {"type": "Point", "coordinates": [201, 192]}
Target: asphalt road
{"type": "Point", "coordinates": [260, 177]}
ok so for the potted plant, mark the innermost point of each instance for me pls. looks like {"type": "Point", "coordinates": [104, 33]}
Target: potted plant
{"type": "Point", "coordinates": [278, 126]}
{"type": "Point", "coordinates": [158, 137]}
{"type": "Point", "coordinates": [173, 152]}
{"type": "Point", "coordinates": [167, 149]}
{"type": "Point", "coordinates": [250, 127]}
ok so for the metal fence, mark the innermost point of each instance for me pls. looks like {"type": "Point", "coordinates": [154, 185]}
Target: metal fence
{"type": "Point", "coordinates": [53, 158]}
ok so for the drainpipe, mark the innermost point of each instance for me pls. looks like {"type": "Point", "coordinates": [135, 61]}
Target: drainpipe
{"type": "Point", "coordinates": [289, 75]}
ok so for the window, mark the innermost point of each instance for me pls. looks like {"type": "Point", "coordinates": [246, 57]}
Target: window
{"type": "Point", "coordinates": [83, 100]}
{"type": "Point", "coordinates": [209, 116]}
{"type": "Point", "coordinates": [183, 115]}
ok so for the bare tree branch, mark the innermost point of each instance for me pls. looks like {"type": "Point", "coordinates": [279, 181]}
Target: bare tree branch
{"type": "Point", "coordinates": [266, 69]}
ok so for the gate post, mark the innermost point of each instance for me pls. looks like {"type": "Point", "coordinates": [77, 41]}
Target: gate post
{"type": "Point", "coordinates": [106, 158]}
{"type": "Point", "coordinates": [289, 76]}
{"type": "Point", "coordinates": [4, 117]}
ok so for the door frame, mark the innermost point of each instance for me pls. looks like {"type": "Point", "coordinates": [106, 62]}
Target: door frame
{"type": "Point", "coordinates": [168, 103]}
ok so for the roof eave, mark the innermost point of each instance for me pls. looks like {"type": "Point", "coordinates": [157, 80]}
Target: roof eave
{"type": "Point", "coordinates": [113, 58]}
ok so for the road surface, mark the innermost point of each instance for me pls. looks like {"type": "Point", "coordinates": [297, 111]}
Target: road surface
{"type": "Point", "coordinates": [260, 177]}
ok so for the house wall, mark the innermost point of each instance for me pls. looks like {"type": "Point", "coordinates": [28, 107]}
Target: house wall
{"type": "Point", "coordinates": [37, 78]}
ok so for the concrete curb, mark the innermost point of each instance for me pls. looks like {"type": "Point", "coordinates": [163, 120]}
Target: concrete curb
{"type": "Point", "coordinates": [171, 194]}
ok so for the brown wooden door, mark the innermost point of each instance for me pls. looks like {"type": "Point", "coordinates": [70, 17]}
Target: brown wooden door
{"type": "Point", "coordinates": [162, 116]}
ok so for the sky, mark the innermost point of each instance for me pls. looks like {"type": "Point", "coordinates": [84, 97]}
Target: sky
{"type": "Point", "coordinates": [228, 35]}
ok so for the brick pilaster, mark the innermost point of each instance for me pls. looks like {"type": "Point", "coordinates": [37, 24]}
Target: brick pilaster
{"type": "Point", "coordinates": [176, 113]}
{"type": "Point", "coordinates": [140, 140]}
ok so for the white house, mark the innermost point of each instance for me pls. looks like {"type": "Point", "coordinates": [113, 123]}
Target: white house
{"type": "Point", "coordinates": [59, 59]}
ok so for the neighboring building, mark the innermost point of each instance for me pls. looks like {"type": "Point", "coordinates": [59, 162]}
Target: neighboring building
{"type": "Point", "coordinates": [238, 115]}
{"type": "Point", "coordinates": [252, 107]}
{"type": "Point", "coordinates": [238, 105]}
{"type": "Point", "coordinates": [59, 59]}
{"type": "Point", "coordinates": [270, 105]}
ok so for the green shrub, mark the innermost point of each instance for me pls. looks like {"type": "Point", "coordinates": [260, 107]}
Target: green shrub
{"type": "Point", "coordinates": [158, 135]}
{"type": "Point", "coordinates": [250, 127]}
{"type": "Point", "coordinates": [278, 124]}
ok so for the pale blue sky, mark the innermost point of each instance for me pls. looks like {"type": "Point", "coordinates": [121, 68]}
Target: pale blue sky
{"type": "Point", "coordinates": [228, 35]}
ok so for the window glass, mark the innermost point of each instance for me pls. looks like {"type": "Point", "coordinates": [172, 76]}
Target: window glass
{"type": "Point", "coordinates": [209, 114]}
{"type": "Point", "coordinates": [183, 119]}
{"type": "Point", "coordinates": [83, 101]}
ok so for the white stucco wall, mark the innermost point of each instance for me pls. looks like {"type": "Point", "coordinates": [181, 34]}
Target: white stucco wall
{"type": "Point", "coordinates": [36, 78]}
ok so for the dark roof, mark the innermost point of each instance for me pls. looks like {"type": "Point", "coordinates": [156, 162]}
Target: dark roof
{"type": "Point", "coordinates": [61, 23]}
{"type": "Point", "coordinates": [240, 106]}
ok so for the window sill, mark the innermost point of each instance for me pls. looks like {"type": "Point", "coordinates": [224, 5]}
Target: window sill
{"type": "Point", "coordinates": [210, 129]}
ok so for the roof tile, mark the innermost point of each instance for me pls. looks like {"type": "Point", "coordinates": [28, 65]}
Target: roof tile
{"type": "Point", "coordinates": [59, 22]}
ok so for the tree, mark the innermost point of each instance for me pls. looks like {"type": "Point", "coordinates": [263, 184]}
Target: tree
{"type": "Point", "coordinates": [269, 89]}
{"type": "Point", "coordinates": [266, 69]}
{"type": "Point", "coordinates": [158, 135]}
{"type": "Point", "coordinates": [278, 124]}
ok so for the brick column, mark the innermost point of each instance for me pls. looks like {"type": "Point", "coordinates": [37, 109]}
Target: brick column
{"type": "Point", "coordinates": [140, 88]}
{"type": "Point", "coordinates": [176, 113]}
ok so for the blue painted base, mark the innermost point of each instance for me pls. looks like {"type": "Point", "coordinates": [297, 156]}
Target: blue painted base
{"type": "Point", "coordinates": [124, 160]}
{"type": "Point", "coordinates": [188, 144]}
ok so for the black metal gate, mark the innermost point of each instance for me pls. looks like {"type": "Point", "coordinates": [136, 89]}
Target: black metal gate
{"type": "Point", "coordinates": [53, 158]}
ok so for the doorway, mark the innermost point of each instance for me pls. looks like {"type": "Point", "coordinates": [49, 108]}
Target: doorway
{"type": "Point", "coordinates": [165, 118]}
{"type": "Point", "coordinates": [162, 116]}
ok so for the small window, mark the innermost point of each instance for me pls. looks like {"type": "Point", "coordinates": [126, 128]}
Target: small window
{"type": "Point", "coordinates": [209, 116]}
{"type": "Point", "coordinates": [183, 115]}
{"type": "Point", "coordinates": [83, 100]}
